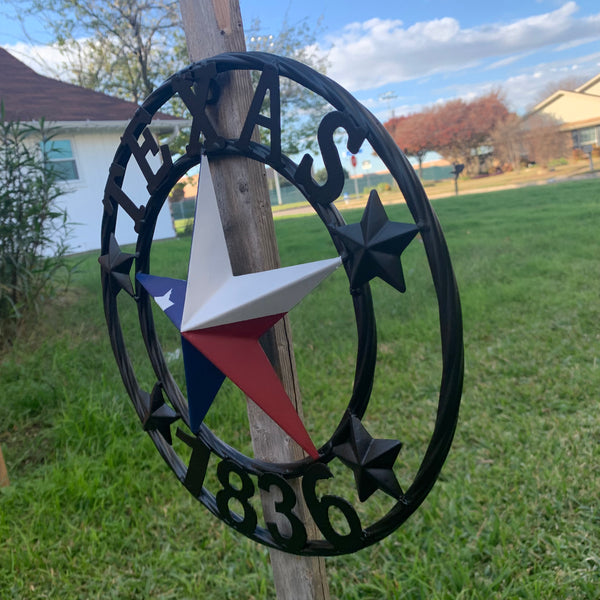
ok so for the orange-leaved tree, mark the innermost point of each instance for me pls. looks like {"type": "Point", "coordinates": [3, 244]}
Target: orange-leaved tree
{"type": "Point", "coordinates": [414, 134]}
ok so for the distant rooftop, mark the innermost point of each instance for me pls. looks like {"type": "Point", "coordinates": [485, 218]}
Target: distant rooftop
{"type": "Point", "coordinates": [29, 96]}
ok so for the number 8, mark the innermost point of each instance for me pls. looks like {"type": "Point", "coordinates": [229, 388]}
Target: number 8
{"type": "Point", "coordinates": [247, 525]}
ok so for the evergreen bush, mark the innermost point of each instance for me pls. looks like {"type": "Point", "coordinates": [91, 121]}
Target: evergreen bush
{"type": "Point", "coordinates": [33, 228]}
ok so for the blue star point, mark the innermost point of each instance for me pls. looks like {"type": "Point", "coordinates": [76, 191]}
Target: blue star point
{"type": "Point", "coordinates": [221, 317]}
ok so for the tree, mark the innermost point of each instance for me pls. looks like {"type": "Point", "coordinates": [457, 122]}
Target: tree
{"type": "Point", "coordinates": [464, 128]}
{"type": "Point", "coordinates": [33, 228]}
{"type": "Point", "coordinates": [457, 129]}
{"type": "Point", "coordinates": [534, 138]}
{"type": "Point", "coordinates": [124, 48]}
{"type": "Point", "coordinates": [568, 83]}
{"type": "Point", "coordinates": [415, 134]}
{"type": "Point", "coordinates": [507, 140]}
{"type": "Point", "coordinates": [543, 141]}
{"type": "Point", "coordinates": [298, 105]}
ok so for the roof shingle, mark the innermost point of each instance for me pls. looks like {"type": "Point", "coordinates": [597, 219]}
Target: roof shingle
{"type": "Point", "coordinates": [28, 96]}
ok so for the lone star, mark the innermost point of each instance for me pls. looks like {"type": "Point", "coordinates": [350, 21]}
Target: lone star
{"type": "Point", "coordinates": [370, 459]}
{"type": "Point", "coordinates": [117, 265]}
{"type": "Point", "coordinates": [374, 246]}
{"type": "Point", "coordinates": [221, 317]}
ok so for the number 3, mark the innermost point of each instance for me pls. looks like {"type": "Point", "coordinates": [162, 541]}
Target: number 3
{"type": "Point", "coordinates": [297, 539]}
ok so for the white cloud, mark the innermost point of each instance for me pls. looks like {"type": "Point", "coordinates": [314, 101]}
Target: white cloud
{"type": "Point", "coordinates": [523, 89]}
{"type": "Point", "coordinates": [46, 60]}
{"type": "Point", "coordinates": [379, 52]}
{"type": "Point", "coordinates": [504, 62]}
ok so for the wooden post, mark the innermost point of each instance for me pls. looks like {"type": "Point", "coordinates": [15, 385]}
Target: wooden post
{"type": "Point", "coordinates": [3, 472]}
{"type": "Point", "coordinates": [212, 27]}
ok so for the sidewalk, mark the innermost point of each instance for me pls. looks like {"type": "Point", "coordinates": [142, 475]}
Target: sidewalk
{"type": "Point", "coordinates": [397, 198]}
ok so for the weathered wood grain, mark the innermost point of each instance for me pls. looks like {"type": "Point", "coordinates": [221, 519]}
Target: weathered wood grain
{"type": "Point", "coordinates": [4, 482]}
{"type": "Point", "coordinates": [212, 27]}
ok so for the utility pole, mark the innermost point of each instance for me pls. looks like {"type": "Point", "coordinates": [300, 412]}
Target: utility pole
{"type": "Point", "coordinates": [213, 27]}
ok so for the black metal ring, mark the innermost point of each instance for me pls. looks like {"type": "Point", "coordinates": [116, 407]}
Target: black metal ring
{"type": "Point", "coordinates": [439, 264]}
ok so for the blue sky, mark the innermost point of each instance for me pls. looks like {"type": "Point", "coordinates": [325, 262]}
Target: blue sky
{"type": "Point", "coordinates": [433, 50]}
{"type": "Point", "coordinates": [427, 51]}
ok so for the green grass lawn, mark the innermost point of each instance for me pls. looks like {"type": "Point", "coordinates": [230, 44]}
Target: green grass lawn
{"type": "Point", "coordinates": [93, 512]}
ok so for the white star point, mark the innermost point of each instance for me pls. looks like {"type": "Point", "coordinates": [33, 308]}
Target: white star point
{"type": "Point", "coordinates": [165, 301]}
{"type": "Point", "coordinates": [215, 296]}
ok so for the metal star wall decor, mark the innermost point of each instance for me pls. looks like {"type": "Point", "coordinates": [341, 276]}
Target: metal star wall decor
{"type": "Point", "coordinates": [223, 316]}
{"type": "Point", "coordinates": [371, 461]}
{"type": "Point", "coordinates": [117, 265]}
{"type": "Point", "coordinates": [219, 317]}
{"type": "Point", "coordinates": [373, 246]}
{"type": "Point", "coordinates": [159, 416]}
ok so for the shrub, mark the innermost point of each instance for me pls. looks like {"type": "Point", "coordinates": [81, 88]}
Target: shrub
{"type": "Point", "coordinates": [33, 229]}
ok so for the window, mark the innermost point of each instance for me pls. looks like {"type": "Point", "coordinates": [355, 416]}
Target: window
{"type": "Point", "coordinates": [587, 136]}
{"type": "Point", "coordinates": [60, 154]}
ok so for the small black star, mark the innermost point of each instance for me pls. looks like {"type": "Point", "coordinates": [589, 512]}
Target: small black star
{"type": "Point", "coordinates": [159, 415]}
{"type": "Point", "coordinates": [370, 459]}
{"type": "Point", "coordinates": [118, 265]}
{"type": "Point", "coordinates": [374, 246]}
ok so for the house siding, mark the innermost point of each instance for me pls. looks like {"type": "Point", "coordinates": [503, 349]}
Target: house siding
{"type": "Point", "coordinates": [93, 122]}
{"type": "Point", "coordinates": [573, 108]}
{"type": "Point", "coordinates": [94, 152]}
{"type": "Point", "coordinates": [578, 112]}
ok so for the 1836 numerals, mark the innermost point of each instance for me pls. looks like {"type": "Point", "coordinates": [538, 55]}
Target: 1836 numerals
{"type": "Point", "coordinates": [237, 485]}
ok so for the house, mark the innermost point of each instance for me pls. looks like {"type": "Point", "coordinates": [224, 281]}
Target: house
{"type": "Point", "coordinates": [90, 125]}
{"type": "Point", "coordinates": [578, 111]}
